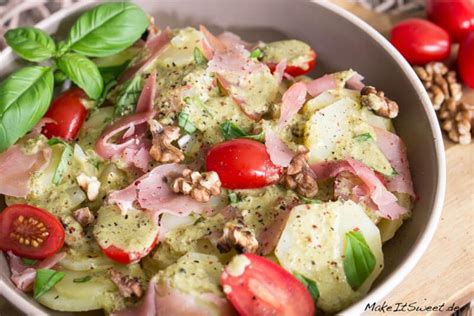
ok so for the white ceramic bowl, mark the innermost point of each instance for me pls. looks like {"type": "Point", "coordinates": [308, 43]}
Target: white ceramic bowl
{"type": "Point", "coordinates": [342, 41]}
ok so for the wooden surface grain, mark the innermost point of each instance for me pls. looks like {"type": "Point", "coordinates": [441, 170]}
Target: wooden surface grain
{"type": "Point", "coordinates": [445, 273]}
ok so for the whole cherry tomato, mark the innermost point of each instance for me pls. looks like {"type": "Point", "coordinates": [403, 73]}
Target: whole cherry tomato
{"type": "Point", "coordinates": [466, 60]}
{"type": "Point", "coordinates": [69, 114]}
{"type": "Point", "coordinates": [257, 287]}
{"type": "Point", "coordinates": [455, 16]}
{"type": "Point", "coordinates": [242, 164]}
{"type": "Point", "coordinates": [30, 232]}
{"type": "Point", "coordinates": [420, 41]}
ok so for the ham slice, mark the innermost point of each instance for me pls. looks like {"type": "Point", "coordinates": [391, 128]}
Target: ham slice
{"type": "Point", "coordinates": [280, 70]}
{"type": "Point", "coordinates": [319, 85]}
{"type": "Point", "coordinates": [279, 152]}
{"type": "Point", "coordinates": [355, 82]}
{"type": "Point", "coordinates": [16, 167]}
{"type": "Point", "coordinates": [154, 46]}
{"type": "Point", "coordinates": [394, 149]}
{"type": "Point", "coordinates": [292, 101]}
{"type": "Point", "coordinates": [138, 157]}
{"type": "Point", "coordinates": [385, 200]}
{"type": "Point", "coordinates": [268, 239]}
{"type": "Point", "coordinates": [211, 44]}
{"type": "Point", "coordinates": [152, 193]}
{"type": "Point", "coordinates": [23, 276]}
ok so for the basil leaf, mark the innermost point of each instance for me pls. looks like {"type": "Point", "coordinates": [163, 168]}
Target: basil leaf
{"type": "Point", "coordinates": [230, 130]}
{"type": "Point", "coordinates": [256, 53]}
{"type": "Point", "coordinates": [28, 262]}
{"type": "Point", "coordinates": [310, 285]}
{"type": "Point", "coordinates": [112, 72]}
{"type": "Point", "coordinates": [54, 141]}
{"type": "Point", "coordinates": [199, 57]}
{"type": "Point", "coordinates": [30, 43]}
{"type": "Point", "coordinates": [359, 261]}
{"type": "Point", "coordinates": [363, 137]}
{"type": "Point", "coordinates": [45, 280]}
{"type": "Point", "coordinates": [66, 156]}
{"type": "Point", "coordinates": [24, 98]}
{"type": "Point", "coordinates": [184, 123]}
{"type": "Point", "coordinates": [107, 29]}
{"type": "Point", "coordinates": [83, 72]}
{"type": "Point", "coordinates": [128, 96]}
{"type": "Point", "coordinates": [83, 279]}
{"type": "Point", "coordinates": [306, 200]}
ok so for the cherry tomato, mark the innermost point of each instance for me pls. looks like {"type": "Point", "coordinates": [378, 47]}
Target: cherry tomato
{"type": "Point", "coordinates": [455, 16]}
{"type": "Point", "coordinates": [30, 232]}
{"type": "Point", "coordinates": [257, 286]}
{"type": "Point", "coordinates": [420, 41]}
{"type": "Point", "coordinates": [124, 257]}
{"type": "Point", "coordinates": [466, 60]}
{"type": "Point", "coordinates": [69, 113]}
{"type": "Point", "coordinates": [242, 164]}
{"type": "Point", "coordinates": [296, 71]}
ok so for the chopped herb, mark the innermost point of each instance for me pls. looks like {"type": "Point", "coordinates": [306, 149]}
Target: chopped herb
{"type": "Point", "coordinates": [62, 164]}
{"type": "Point", "coordinates": [184, 123]}
{"type": "Point", "coordinates": [83, 279]}
{"type": "Point", "coordinates": [310, 285]}
{"type": "Point", "coordinates": [308, 200]}
{"type": "Point", "coordinates": [45, 280]}
{"type": "Point", "coordinates": [256, 53]}
{"type": "Point", "coordinates": [199, 220]}
{"type": "Point", "coordinates": [128, 96]}
{"type": "Point", "coordinates": [230, 130]}
{"type": "Point", "coordinates": [233, 197]}
{"type": "Point", "coordinates": [199, 57]}
{"type": "Point", "coordinates": [28, 262]}
{"type": "Point", "coordinates": [54, 141]}
{"type": "Point", "coordinates": [359, 261]}
{"type": "Point", "coordinates": [363, 137]}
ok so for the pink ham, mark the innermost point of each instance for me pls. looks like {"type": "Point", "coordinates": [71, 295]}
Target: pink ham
{"type": "Point", "coordinates": [16, 167]}
{"type": "Point", "coordinates": [153, 193]}
{"type": "Point", "coordinates": [268, 239]}
{"type": "Point", "coordinates": [154, 46]}
{"type": "Point", "coordinates": [230, 39]}
{"type": "Point", "coordinates": [394, 149]}
{"type": "Point", "coordinates": [292, 101]}
{"type": "Point", "coordinates": [147, 96]}
{"type": "Point", "coordinates": [211, 44]}
{"type": "Point", "coordinates": [279, 152]}
{"type": "Point", "coordinates": [355, 82]}
{"type": "Point", "coordinates": [138, 157]}
{"type": "Point", "coordinates": [280, 71]}
{"type": "Point", "coordinates": [319, 85]}
{"type": "Point", "coordinates": [23, 276]}
{"type": "Point", "coordinates": [385, 200]}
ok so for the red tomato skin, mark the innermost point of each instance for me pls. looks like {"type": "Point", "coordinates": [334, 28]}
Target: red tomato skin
{"type": "Point", "coordinates": [420, 41]}
{"type": "Point", "coordinates": [280, 292]}
{"type": "Point", "coordinates": [123, 257]}
{"type": "Point", "coordinates": [296, 71]}
{"type": "Point", "coordinates": [50, 245]}
{"type": "Point", "coordinates": [466, 60]}
{"type": "Point", "coordinates": [455, 16]}
{"type": "Point", "coordinates": [69, 113]}
{"type": "Point", "coordinates": [242, 164]}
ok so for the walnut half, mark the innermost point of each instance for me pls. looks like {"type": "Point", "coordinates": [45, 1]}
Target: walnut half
{"type": "Point", "coordinates": [126, 284]}
{"type": "Point", "coordinates": [299, 177]}
{"type": "Point", "coordinates": [377, 101]}
{"type": "Point", "coordinates": [239, 236]}
{"type": "Point", "coordinates": [200, 186]}
{"type": "Point", "coordinates": [162, 150]}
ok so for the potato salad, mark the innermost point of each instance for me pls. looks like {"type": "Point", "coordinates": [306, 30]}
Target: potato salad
{"type": "Point", "coordinates": [156, 171]}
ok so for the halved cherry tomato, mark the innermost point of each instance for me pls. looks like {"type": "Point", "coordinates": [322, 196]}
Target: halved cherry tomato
{"type": "Point", "coordinates": [257, 286]}
{"type": "Point", "coordinates": [455, 16]}
{"type": "Point", "coordinates": [242, 164]}
{"type": "Point", "coordinates": [466, 60]}
{"type": "Point", "coordinates": [68, 112]}
{"type": "Point", "coordinates": [296, 71]}
{"type": "Point", "coordinates": [124, 257]}
{"type": "Point", "coordinates": [30, 232]}
{"type": "Point", "coordinates": [420, 41]}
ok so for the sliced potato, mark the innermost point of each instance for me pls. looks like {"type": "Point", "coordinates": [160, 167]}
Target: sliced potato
{"type": "Point", "coordinates": [312, 244]}
{"type": "Point", "coordinates": [387, 227]}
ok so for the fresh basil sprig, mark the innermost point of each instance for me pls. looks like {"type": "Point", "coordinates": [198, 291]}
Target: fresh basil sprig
{"type": "Point", "coordinates": [230, 130]}
{"type": "Point", "coordinates": [45, 280]}
{"type": "Point", "coordinates": [31, 43]}
{"type": "Point", "coordinates": [24, 99]}
{"type": "Point", "coordinates": [359, 261]}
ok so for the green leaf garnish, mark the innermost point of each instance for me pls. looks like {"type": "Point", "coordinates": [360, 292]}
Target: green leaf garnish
{"type": "Point", "coordinates": [308, 200]}
{"type": "Point", "coordinates": [199, 57]}
{"type": "Point", "coordinates": [310, 285]}
{"type": "Point", "coordinates": [359, 261]}
{"type": "Point", "coordinates": [230, 130]}
{"type": "Point", "coordinates": [233, 197]}
{"type": "Point", "coordinates": [128, 96]}
{"type": "Point", "coordinates": [256, 53]}
{"type": "Point", "coordinates": [62, 164]}
{"type": "Point", "coordinates": [28, 262]}
{"type": "Point", "coordinates": [107, 29]}
{"type": "Point", "coordinates": [83, 279]}
{"type": "Point", "coordinates": [24, 99]}
{"type": "Point", "coordinates": [184, 123]}
{"type": "Point", "coordinates": [31, 43]}
{"type": "Point", "coordinates": [54, 141]}
{"type": "Point", "coordinates": [45, 280]}
{"type": "Point", "coordinates": [363, 137]}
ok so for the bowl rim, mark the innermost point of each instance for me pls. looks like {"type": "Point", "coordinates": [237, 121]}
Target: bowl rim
{"type": "Point", "coordinates": [423, 241]}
